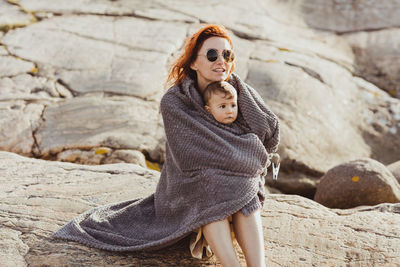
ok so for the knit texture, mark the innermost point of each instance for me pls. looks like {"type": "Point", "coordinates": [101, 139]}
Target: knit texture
{"type": "Point", "coordinates": [211, 171]}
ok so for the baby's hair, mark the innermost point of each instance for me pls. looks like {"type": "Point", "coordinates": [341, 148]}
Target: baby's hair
{"type": "Point", "coordinates": [222, 87]}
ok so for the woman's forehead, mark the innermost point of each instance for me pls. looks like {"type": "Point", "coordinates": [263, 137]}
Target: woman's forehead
{"type": "Point", "coordinates": [218, 43]}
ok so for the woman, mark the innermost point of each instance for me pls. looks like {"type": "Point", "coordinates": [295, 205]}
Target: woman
{"type": "Point", "coordinates": [208, 58]}
{"type": "Point", "coordinates": [212, 171]}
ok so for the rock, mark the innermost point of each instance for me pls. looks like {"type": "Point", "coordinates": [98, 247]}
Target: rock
{"type": "Point", "coordinates": [146, 10]}
{"type": "Point", "coordinates": [316, 133]}
{"type": "Point", "coordinates": [293, 183]}
{"type": "Point", "coordinates": [105, 56]}
{"type": "Point", "coordinates": [380, 119]}
{"type": "Point", "coordinates": [96, 156]}
{"type": "Point", "coordinates": [17, 137]}
{"type": "Point", "coordinates": [87, 122]}
{"type": "Point", "coordinates": [343, 16]}
{"type": "Point", "coordinates": [30, 88]}
{"type": "Point", "coordinates": [356, 183]}
{"type": "Point", "coordinates": [105, 49]}
{"type": "Point", "coordinates": [3, 51]}
{"type": "Point", "coordinates": [38, 197]}
{"type": "Point", "coordinates": [375, 58]}
{"type": "Point", "coordinates": [395, 169]}
{"type": "Point", "coordinates": [80, 6]}
{"type": "Point", "coordinates": [81, 157]}
{"type": "Point", "coordinates": [11, 16]}
{"type": "Point", "coordinates": [128, 156]}
{"type": "Point", "coordinates": [10, 66]}
{"type": "Point", "coordinates": [12, 248]}
{"type": "Point", "coordinates": [163, 13]}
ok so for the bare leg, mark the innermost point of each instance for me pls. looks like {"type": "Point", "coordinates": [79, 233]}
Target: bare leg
{"type": "Point", "coordinates": [218, 236]}
{"type": "Point", "coordinates": [249, 234]}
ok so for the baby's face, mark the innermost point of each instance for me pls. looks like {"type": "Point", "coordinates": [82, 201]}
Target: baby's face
{"type": "Point", "coordinates": [224, 110]}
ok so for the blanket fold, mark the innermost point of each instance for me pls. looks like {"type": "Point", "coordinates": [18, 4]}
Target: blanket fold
{"type": "Point", "coordinates": [211, 171]}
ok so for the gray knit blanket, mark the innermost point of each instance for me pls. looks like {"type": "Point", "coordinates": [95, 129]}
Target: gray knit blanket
{"type": "Point", "coordinates": [211, 171]}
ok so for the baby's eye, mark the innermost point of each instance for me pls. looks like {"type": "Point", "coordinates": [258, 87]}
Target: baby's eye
{"type": "Point", "coordinates": [222, 106]}
{"type": "Point", "coordinates": [233, 105]}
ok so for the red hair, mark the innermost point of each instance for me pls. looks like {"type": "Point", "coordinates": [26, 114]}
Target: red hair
{"type": "Point", "coordinates": [180, 69]}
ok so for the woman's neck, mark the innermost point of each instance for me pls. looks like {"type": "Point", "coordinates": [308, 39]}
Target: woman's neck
{"type": "Point", "coordinates": [201, 86]}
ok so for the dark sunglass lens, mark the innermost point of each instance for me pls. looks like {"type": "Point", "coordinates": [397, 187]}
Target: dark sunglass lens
{"type": "Point", "coordinates": [228, 55]}
{"type": "Point", "coordinates": [212, 55]}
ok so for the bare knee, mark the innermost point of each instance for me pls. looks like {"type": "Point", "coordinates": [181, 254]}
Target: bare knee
{"type": "Point", "coordinates": [249, 234]}
{"type": "Point", "coordinates": [218, 236]}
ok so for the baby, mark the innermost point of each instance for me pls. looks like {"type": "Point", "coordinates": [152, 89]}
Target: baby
{"type": "Point", "coordinates": [221, 101]}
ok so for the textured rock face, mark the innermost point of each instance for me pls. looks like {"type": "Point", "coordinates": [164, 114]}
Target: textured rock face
{"type": "Point", "coordinates": [349, 16]}
{"type": "Point", "coordinates": [12, 16]}
{"type": "Point", "coordinates": [395, 169]}
{"type": "Point", "coordinates": [103, 55]}
{"type": "Point", "coordinates": [37, 197]}
{"type": "Point", "coordinates": [377, 56]}
{"type": "Point", "coordinates": [370, 28]}
{"type": "Point", "coordinates": [86, 122]}
{"type": "Point", "coordinates": [90, 74]}
{"type": "Point", "coordinates": [356, 183]}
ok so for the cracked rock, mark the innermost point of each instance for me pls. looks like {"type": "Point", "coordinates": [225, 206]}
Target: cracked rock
{"type": "Point", "coordinates": [311, 124]}
{"type": "Point", "coordinates": [31, 88]}
{"type": "Point", "coordinates": [103, 56]}
{"type": "Point", "coordinates": [17, 137]}
{"type": "Point", "coordinates": [12, 248]}
{"type": "Point", "coordinates": [38, 197]}
{"type": "Point", "coordinates": [11, 66]}
{"type": "Point", "coordinates": [11, 16]}
{"type": "Point", "coordinates": [86, 122]}
{"type": "Point", "coordinates": [3, 51]}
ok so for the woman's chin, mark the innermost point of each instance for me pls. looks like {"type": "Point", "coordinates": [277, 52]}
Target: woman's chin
{"type": "Point", "coordinates": [220, 76]}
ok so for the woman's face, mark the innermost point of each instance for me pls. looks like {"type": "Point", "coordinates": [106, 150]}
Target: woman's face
{"type": "Point", "coordinates": [207, 71]}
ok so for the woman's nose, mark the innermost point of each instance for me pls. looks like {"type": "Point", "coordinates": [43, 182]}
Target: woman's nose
{"type": "Point", "coordinates": [220, 59]}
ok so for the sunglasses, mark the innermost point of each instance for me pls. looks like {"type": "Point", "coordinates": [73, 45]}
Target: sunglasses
{"type": "Point", "coordinates": [212, 55]}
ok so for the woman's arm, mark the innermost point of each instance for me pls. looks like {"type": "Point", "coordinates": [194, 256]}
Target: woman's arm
{"type": "Point", "coordinates": [271, 136]}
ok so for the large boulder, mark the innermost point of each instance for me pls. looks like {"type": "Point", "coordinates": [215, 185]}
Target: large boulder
{"type": "Point", "coordinates": [37, 197]}
{"type": "Point", "coordinates": [356, 183]}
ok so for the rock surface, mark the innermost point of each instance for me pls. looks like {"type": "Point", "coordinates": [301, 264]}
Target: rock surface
{"type": "Point", "coordinates": [37, 197]}
{"type": "Point", "coordinates": [376, 55]}
{"type": "Point", "coordinates": [11, 16]}
{"type": "Point", "coordinates": [356, 183]}
{"type": "Point", "coordinates": [86, 122]}
{"type": "Point", "coordinates": [349, 16]}
{"type": "Point", "coordinates": [90, 74]}
{"type": "Point", "coordinates": [395, 169]}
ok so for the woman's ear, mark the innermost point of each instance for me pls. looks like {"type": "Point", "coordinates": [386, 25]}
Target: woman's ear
{"type": "Point", "coordinates": [193, 66]}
